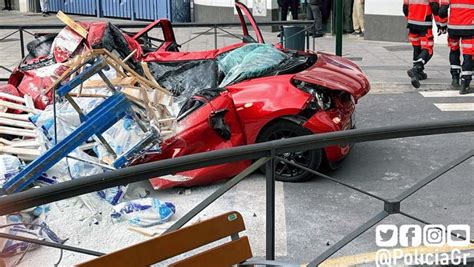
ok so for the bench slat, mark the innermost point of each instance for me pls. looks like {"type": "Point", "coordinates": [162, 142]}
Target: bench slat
{"type": "Point", "coordinates": [173, 243]}
{"type": "Point", "coordinates": [227, 254]}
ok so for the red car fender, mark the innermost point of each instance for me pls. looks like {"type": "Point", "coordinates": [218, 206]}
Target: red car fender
{"type": "Point", "coordinates": [324, 122]}
{"type": "Point", "coordinates": [260, 101]}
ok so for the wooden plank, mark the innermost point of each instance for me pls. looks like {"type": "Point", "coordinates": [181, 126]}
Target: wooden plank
{"type": "Point", "coordinates": [21, 124]}
{"type": "Point", "coordinates": [19, 151]}
{"type": "Point", "coordinates": [22, 143]}
{"type": "Point", "coordinates": [18, 107]}
{"type": "Point", "coordinates": [228, 254]}
{"type": "Point", "coordinates": [130, 70]}
{"type": "Point", "coordinates": [129, 56]}
{"type": "Point", "coordinates": [29, 102]}
{"type": "Point", "coordinates": [73, 63]}
{"type": "Point", "coordinates": [171, 244]}
{"type": "Point", "coordinates": [127, 81]}
{"type": "Point", "coordinates": [148, 74]}
{"type": "Point", "coordinates": [12, 97]}
{"type": "Point", "coordinates": [72, 24]}
{"type": "Point", "coordinates": [18, 117]}
{"type": "Point", "coordinates": [17, 132]}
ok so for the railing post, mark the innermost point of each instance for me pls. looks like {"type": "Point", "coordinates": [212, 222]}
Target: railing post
{"type": "Point", "coordinates": [98, 8]}
{"type": "Point", "coordinates": [270, 209]}
{"type": "Point", "coordinates": [22, 43]}
{"type": "Point", "coordinates": [307, 39]}
{"type": "Point", "coordinates": [215, 36]}
{"type": "Point", "coordinates": [339, 27]}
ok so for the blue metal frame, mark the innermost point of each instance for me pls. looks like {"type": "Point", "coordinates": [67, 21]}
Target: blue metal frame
{"type": "Point", "coordinates": [96, 122]}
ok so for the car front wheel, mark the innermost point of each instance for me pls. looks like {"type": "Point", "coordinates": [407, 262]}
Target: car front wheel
{"type": "Point", "coordinates": [310, 158]}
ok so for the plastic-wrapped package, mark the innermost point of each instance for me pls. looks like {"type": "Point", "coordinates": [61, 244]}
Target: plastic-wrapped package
{"type": "Point", "coordinates": [113, 195]}
{"type": "Point", "coordinates": [66, 117]}
{"type": "Point", "coordinates": [10, 248]}
{"type": "Point", "coordinates": [254, 63]}
{"type": "Point", "coordinates": [9, 167]}
{"type": "Point", "coordinates": [144, 212]}
{"type": "Point", "coordinates": [121, 137]}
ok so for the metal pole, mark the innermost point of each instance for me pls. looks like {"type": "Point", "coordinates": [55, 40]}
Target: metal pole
{"type": "Point", "coordinates": [270, 209]}
{"type": "Point", "coordinates": [215, 36]}
{"type": "Point", "coordinates": [307, 40]}
{"type": "Point", "coordinates": [22, 43]}
{"type": "Point", "coordinates": [98, 8]}
{"type": "Point", "coordinates": [339, 27]}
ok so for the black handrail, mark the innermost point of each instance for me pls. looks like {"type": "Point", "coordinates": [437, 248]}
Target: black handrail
{"type": "Point", "coordinates": [142, 25]}
{"type": "Point", "coordinates": [267, 154]}
{"type": "Point", "coordinates": [35, 197]}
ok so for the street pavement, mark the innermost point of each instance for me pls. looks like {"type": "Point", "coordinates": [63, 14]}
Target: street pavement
{"type": "Point", "coordinates": [314, 215]}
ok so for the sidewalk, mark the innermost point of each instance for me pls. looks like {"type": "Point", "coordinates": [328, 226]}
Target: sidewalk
{"type": "Point", "coordinates": [384, 62]}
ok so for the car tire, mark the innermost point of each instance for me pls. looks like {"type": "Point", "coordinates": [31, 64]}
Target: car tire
{"type": "Point", "coordinates": [311, 158]}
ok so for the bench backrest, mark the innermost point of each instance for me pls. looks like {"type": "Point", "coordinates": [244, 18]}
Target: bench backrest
{"type": "Point", "coordinates": [183, 240]}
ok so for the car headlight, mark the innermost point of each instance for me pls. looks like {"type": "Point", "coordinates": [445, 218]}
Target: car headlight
{"type": "Point", "coordinates": [322, 97]}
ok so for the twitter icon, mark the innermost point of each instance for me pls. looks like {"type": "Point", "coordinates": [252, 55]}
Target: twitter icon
{"type": "Point", "coordinates": [386, 235]}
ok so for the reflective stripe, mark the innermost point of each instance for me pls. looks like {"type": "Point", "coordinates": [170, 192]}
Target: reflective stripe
{"type": "Point", "coordinates": [467, 6]}
{"type": "Point", "coordinates": [422, 23]}
{"type": "Point", "coordinates": [420, 60]}
{"type": "Point", "coordinates": [456, 67]}
{"type": "Point", "coordinates": [442, 24]}
{"type": "Point", "coordinates": [461, 27]}
{"type": "Point", "coordinates": [414, 39]}
{"type": "Point", "coordinates": [419, 2]}
{"type": "Point", "coordinates": [466, 45]}
{"type": "Point", "coordinates": [427, 43]}
{"type": "Point", "coordinates": [466, 73]}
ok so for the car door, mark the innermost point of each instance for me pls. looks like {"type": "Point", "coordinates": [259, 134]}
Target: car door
{"type": "Point", "coordinates": [208, 122]}
{"type": "Point", "coordinates": [245, 14]}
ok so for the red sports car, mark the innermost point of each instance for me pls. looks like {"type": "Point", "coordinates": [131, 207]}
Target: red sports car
{"type": "Point", "coordinates": [304, 93]}
{"type": "Point", "coordinates": [240, 94]}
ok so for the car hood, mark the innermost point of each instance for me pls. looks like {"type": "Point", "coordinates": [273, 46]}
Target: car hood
{"type": "Point", "coordinates": [337, 73]}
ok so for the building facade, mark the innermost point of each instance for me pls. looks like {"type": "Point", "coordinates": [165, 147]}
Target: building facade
{"type": "Point", "coordinates": [224, 11]}
{"type": "Point", "coordinates": [384, 20]}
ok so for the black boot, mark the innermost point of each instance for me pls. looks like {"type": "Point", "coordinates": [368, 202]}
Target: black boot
{"type": "Point", "coordinates": [455, 74]}
{"type": "Point", "coordinates": [465, 83]}
{"type": "Point", "coordinates": [422, 76]}
{"type": "Point", "coordinates": [415, 73]}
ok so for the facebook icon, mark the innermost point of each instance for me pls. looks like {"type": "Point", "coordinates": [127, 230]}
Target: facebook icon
{"type": "Point", "coordinates": [410, 235]}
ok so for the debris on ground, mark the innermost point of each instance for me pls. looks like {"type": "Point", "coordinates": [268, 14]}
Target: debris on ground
{"type": "Point", "coordinates": [85, 105]}
{"type": "Point", "coordinates": [144, 212]}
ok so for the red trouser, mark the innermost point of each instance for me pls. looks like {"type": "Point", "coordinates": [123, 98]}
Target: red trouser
{"type": "Point", "coordinates": [423, 39]}
{"type": "Point", "coordinates": [466, 44]}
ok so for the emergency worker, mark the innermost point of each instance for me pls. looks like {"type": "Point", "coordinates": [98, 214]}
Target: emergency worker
{"type": "Point", "coordinates": [420, 15]}
{"type": "Point", "coordinates": [460, 37]}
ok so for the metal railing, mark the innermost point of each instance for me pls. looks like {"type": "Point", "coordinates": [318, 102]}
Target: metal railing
{"type": "Point", "coordinates": [21, 30]}
{"type": "Point", "coordinates": [264, 154]}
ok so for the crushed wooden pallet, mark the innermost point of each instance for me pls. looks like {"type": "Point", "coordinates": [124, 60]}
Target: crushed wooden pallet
{"type": "Point", "coordinates": [23, 138]}
{"type": "Point", "coordinates": [144, 92]}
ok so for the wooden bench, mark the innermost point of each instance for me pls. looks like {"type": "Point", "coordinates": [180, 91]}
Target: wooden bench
{"type": "Point", "coordinates": [184, 240]}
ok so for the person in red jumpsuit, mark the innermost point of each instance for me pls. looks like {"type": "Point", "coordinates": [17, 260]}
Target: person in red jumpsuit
{"type": "Point", "coordinates": [420, 15]}
{"type": "Point", "coordinates": [460, 37]}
